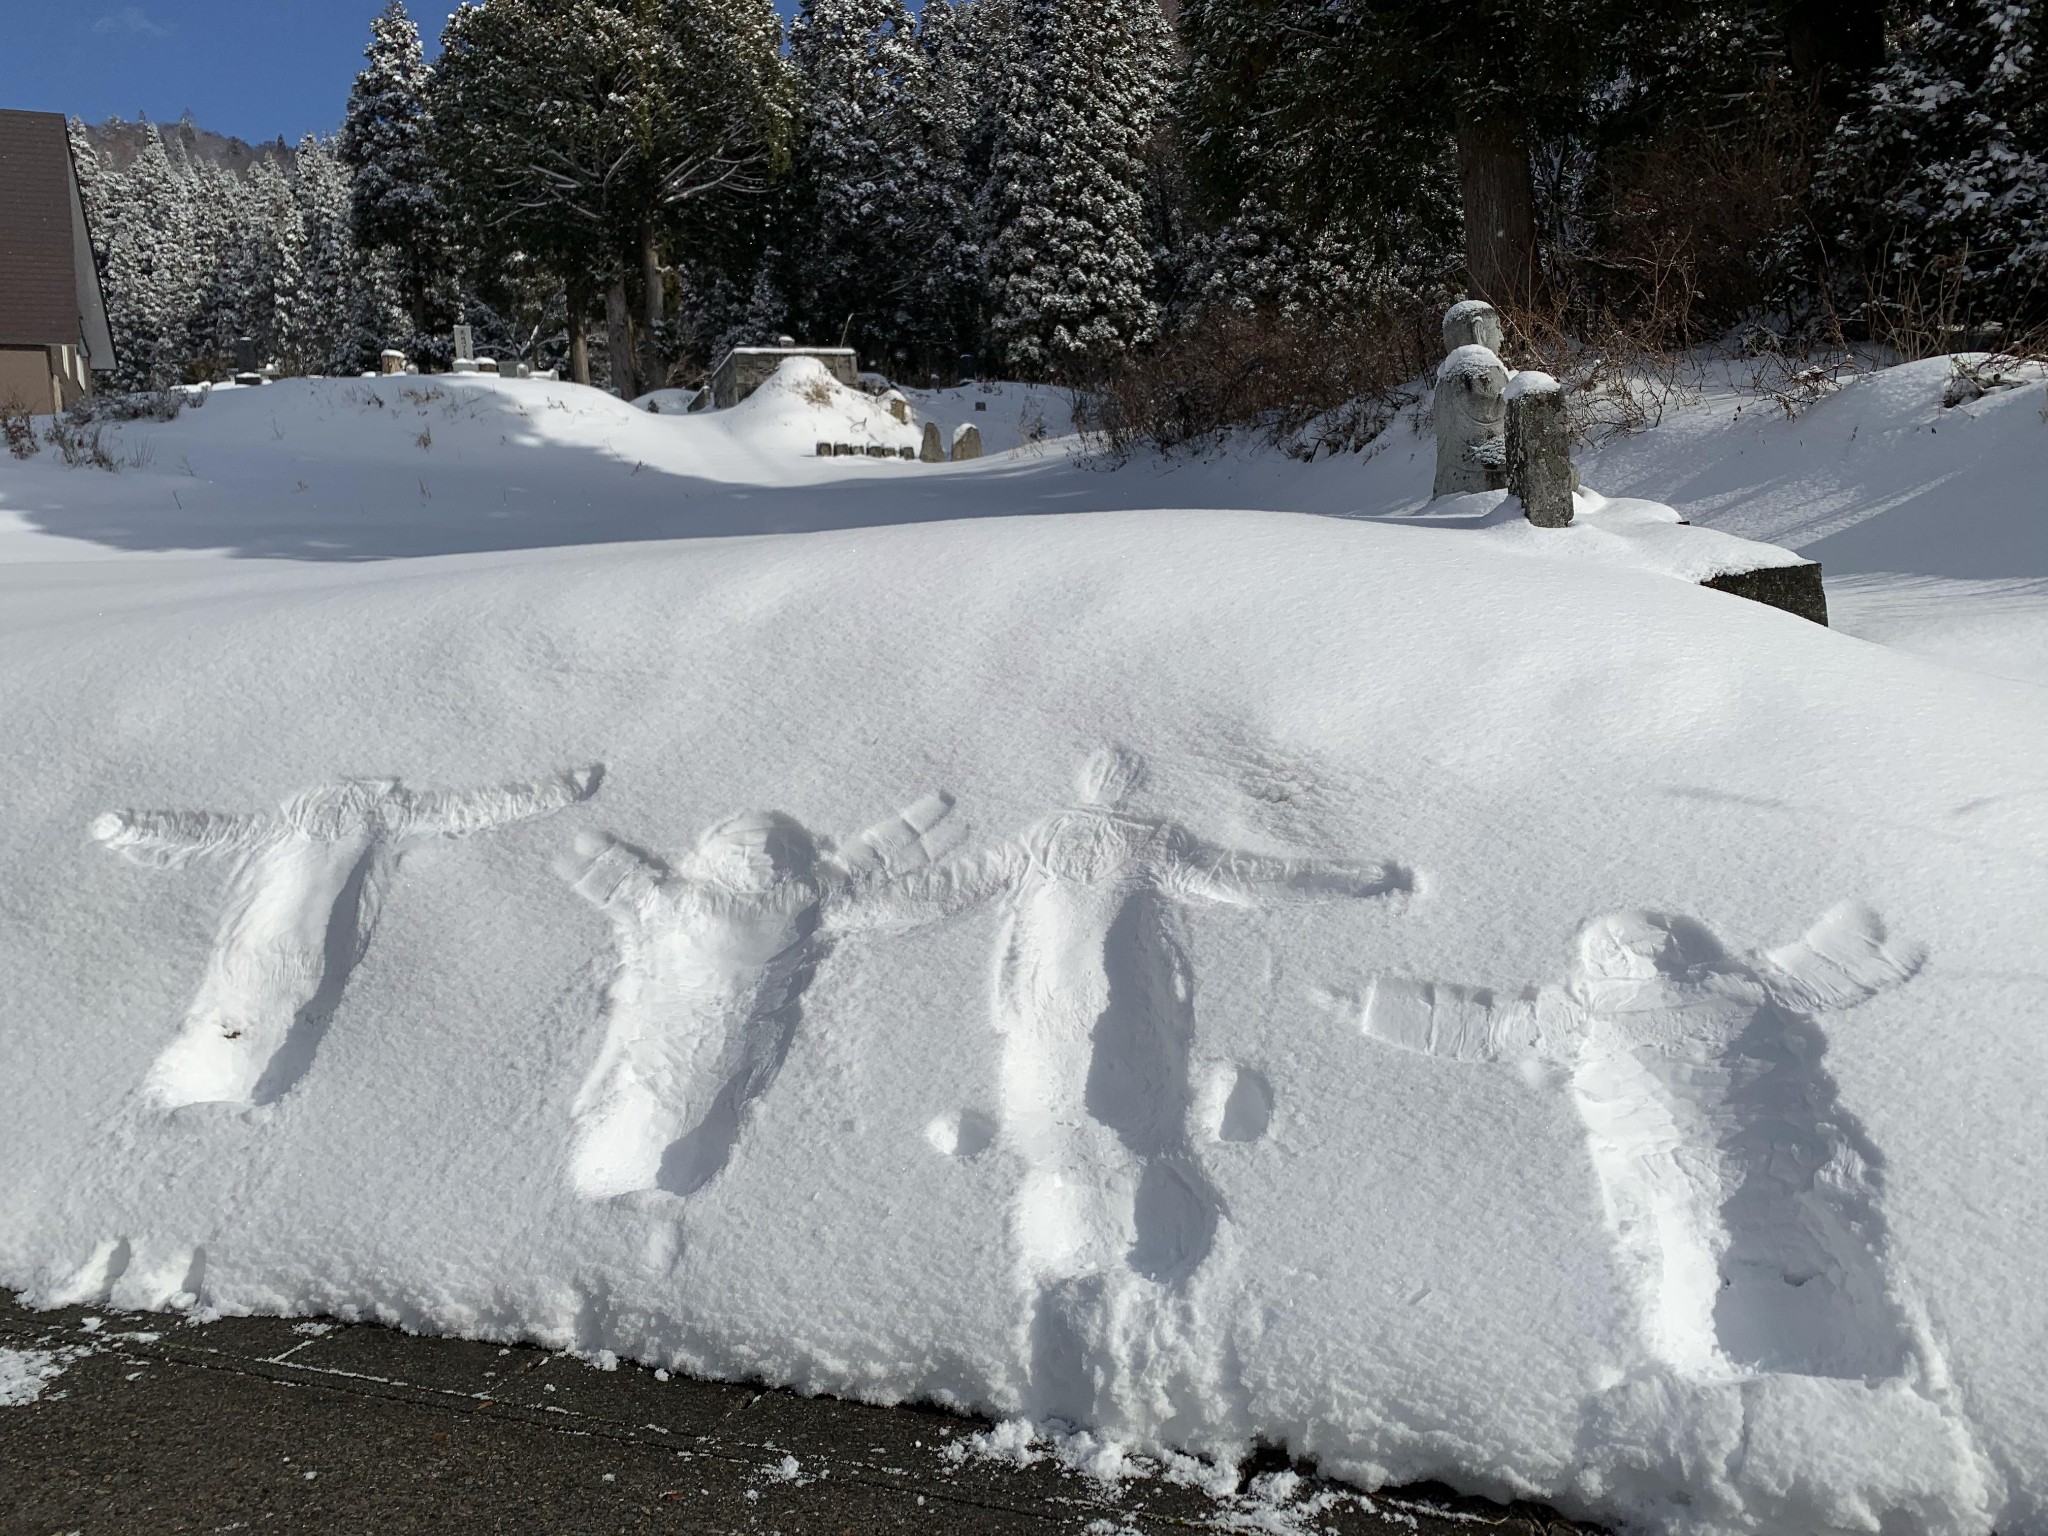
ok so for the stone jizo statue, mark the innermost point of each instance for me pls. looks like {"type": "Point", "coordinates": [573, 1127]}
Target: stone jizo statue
{"type": "Point", "coordinates": [1473, 323]}
{"type": "Point", "coordinates": [1471, 420]}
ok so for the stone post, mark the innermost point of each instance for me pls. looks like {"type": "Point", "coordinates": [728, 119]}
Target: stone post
{"type": "Point", "coordinates": [1471, 418]}
{"type": "Point", "coordinates": [934, 449]}
{"type": "Point", "coordinates": [1473, 323]}
{"type": "Point", "coordinates": [1539, 449]}
{"type": "Point", "coordinates": [966, 443]}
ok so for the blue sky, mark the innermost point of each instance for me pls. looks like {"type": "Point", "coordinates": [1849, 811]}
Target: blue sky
{"type": "Point", "coordinates": [252, 68]}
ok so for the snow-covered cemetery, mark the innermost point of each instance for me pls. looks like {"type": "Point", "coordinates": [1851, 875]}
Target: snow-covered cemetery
{"type": "Point", "coordinates": [1252, 765]}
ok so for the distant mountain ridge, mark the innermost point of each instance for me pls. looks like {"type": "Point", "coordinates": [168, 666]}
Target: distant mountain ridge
{"type": "Point", "coordinates": [119, 142]}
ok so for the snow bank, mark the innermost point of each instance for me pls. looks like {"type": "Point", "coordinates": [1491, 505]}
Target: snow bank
{"type": "Point", "coordinates": [1205, 977]}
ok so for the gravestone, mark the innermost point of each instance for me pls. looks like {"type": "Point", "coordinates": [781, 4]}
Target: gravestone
{"type": "Point", "coordinates": [898, 405]}
{"type": "Point", "coordinates": [487, 365]}
{"type": "Point", "coordinates": [1796, 589]}
{"type": "Point", "coordinates": [824, 450]}
{"type": "Point", "coordinates": [934, 449]}
{"type": "Point", "coordinates": [391, 361]}
{"type": "Point", "coordinates": [1539, 449]}
{"type": "Point", "coordinates": [907, 453]}
{"type": "Point", "coordinates": [246, 360]}
{"type": "Point", "coordinates": [1473, 323]}
{"type": "Point", "coordinates": [1471, 422]}
{"type": "Point", "coordinates": [465, 343]}
{"type": "Point", "coordinates": [877, 451]}
{"type": "Point", "coordinates": [966, 367]}
{"type": "Point", "coordinates": [966, 443]}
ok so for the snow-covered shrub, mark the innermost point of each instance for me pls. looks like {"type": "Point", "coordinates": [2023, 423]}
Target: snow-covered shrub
{"type": "Point", "coordinates": [137, 405]}
{"type": "Point", "coordinates": [80, 443]}
{"type": "Point", "coordinates": [1307, 389]}
{"type": "Point", "coordinates": [17, 429]}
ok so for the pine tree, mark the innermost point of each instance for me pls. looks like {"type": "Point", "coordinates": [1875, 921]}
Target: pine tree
{"type": "Point", "coordinates": [579, 131]}
{"type": "Point", "coordinates": [398, 205]}
{"type": "Point", "coordinates": [943, 309]}
{"type": "Point", "coordinates": [322, 335]}
{"type": "Point", "coordinates": [152, 273]}
{"type": "Point", "coordinates": [1934, 191]}
{"type": "Point", "coordinates": [1069, 270]}
{"type": "Point", "coordinates": [858, 69]}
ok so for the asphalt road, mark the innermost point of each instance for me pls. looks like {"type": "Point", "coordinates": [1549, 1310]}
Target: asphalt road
{"type": "Point", "coordinates": [261, 1424]}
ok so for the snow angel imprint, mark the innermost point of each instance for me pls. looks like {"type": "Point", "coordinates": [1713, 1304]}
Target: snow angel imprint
{"type": "Point", "coordinates": [1094, 1004]}
{"type": "Point", "coordinates": [1743, 1200]}
{"type": "Point", "coordinates": [714, 957]}
{"type": "Point", "coordinates": [302, 899]}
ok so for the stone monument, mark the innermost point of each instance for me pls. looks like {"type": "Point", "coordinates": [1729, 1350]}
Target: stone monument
{"type": "Point", "coordinates": [1473, 323]}
{"type": "Point", "coordinates": [1539, 459]}
{"type": "Point", "coordinates": [934, 449]}
{"type": "Point", "coordinates": [1471, 421]}
{"type": "Point", "coordinates": [966, 443]}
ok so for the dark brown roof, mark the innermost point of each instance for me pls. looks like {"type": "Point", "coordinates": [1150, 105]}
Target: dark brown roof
{"type": "Point", "coordinates": [38, 264]}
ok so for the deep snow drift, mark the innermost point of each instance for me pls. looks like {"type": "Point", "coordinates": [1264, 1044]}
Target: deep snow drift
{"type": "Point", "coordinates": [1207, 976]}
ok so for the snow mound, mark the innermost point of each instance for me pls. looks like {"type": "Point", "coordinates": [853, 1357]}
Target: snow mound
{"type": "Point", "coordinates": [1191, 980]}
{"type": "Point", "coordinates": [801, 405]}
{"type": "Point", "coordinates": [1877, 476]}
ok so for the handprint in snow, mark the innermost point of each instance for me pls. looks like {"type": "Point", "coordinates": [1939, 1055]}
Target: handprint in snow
{"type": "Point", "coordinates": [1744, 1201]}
{"type": "Point", "coordinates": [302, 898]}
{"type": "Point", "coordinates": [714, 958]}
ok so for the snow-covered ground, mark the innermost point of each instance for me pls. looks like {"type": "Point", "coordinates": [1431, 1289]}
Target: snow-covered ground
{"type": "Point", "coordinates": [1198, 972]}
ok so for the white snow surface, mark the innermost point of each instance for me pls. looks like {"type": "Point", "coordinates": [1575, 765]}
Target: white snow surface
{"type": "Point", "coordinates": [1192, 975]}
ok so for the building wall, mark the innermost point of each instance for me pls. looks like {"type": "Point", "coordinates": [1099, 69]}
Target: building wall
{"type": "Point", "coordinates": [27, 381]}
{"type": "Point", "coordinates": [43, 379]}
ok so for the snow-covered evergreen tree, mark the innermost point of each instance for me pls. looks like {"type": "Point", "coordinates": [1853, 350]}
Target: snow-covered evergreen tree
{"type": "Point", "coordinates": [398, 205]}
{"type": "Point", "coordinates": [943, 310]}
{"type": "Point", "coordinates": [322, 333]}
{"type": "Point", "coordinates": [579, 133]}
{"type": "Point", "coordinates": [153, 275]}
{"type": "Point", "coordinates": [1936, 186]}
{"type": "Point", "coordinates": [858, 167]}
{"type": "Point", "coordinates": [1069, 271]}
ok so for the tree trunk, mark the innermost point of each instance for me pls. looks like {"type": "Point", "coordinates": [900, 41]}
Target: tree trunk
{"type": "Point", "coordinates": [653, 366]}
{"type": "Point", "coordinates": [1499, 195]}
{"type": "Point", "coordinates": [618, 327]}
{"type": "Point", "coordinates": [579, 335]}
